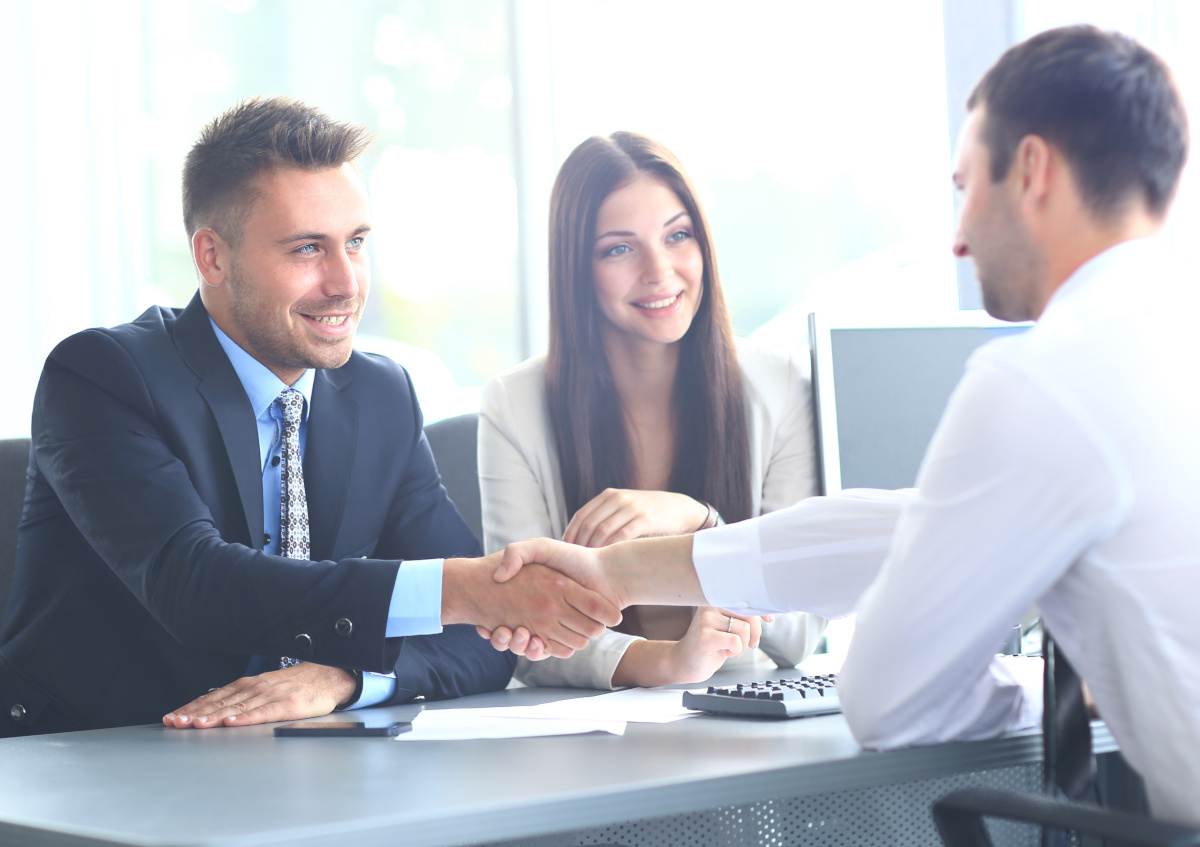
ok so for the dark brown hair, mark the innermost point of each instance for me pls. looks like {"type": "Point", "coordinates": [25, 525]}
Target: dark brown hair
{"type": "Point", "coordinates": [712, 458]}
{"type": "Point", "coordinates": [1109, 104]}
{"type": "Point", "coordinates": [251, 137]}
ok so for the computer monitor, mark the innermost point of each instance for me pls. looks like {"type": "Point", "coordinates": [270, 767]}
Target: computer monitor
{"type": "Point", "coordinates": [880, 389]}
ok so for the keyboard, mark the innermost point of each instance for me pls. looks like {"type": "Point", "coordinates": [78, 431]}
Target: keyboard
{"type": "Point", "coordinates": [801, 697]}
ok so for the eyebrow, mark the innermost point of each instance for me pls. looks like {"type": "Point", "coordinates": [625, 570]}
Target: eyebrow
{"type": "Point", "coordinates": [625, 234]}
{"type": "Point", "coordinates": [320, 236]}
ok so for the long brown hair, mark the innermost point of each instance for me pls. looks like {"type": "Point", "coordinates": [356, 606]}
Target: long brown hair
{"type": "Point", "coordinates": [712, 456]}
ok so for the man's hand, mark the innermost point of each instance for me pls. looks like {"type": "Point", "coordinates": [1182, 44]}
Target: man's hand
{"type": "Point", "coordinates": [561, 614]}
{"type": "Point", "coordinates": [647, 570]}
{"type": "Point", "coordinates": [581, 564]}
{"type": "Point", "coordinates": [306, 690]}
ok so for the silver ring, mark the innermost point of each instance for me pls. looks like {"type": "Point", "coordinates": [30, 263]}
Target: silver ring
{"type": "Point", "coordinates": [730, 627]}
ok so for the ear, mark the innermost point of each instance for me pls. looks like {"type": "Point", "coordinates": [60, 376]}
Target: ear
{"type": "Point", "coordinates": [212, 256]}
{"type": "Point", "coordinates": [1030, 174]}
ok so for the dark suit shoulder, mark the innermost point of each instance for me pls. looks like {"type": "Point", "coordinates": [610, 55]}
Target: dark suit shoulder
{"type": "Point", "coordinates": [157, 322]}
{"type": "Point", "coordinates": [377, 381]}
{"type": "Point", "coordinates": [96, 351]}
{"type": "Point", "coordinates": [373, 366]}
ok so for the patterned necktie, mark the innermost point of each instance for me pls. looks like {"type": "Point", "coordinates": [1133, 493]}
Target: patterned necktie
{"type": "Point", "coordinates": [293, 515]}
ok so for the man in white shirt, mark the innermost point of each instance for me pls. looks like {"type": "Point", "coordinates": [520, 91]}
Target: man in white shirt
{"type": "Point", "coordinates": [1065, 472]}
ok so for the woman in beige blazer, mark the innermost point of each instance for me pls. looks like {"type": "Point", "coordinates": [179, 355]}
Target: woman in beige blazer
{"type": "Point", "coordinates": [645, 417]}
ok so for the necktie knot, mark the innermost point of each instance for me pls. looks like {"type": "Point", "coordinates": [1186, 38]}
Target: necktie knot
{"type": "Point", "coordinates": [291, 402]}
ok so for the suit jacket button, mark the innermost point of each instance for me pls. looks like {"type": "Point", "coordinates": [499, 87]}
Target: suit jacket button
{"type": "Point", "coordinates": [17, 712]}
{"type": "Point", "coordinates": [344, 627]}
{"type": "Point", "coordinates": [304, 643]}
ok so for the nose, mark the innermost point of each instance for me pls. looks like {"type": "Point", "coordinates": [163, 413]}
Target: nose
{"type": "Point", "coordinates": [959, 246]}
{"type": "Point", "coordinates": [657, 267]}
{"type": "Point", "coordinates": [341, 277]}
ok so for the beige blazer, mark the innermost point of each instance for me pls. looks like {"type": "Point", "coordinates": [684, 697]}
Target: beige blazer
{"type": "Point", "coordinates": [522, 496]}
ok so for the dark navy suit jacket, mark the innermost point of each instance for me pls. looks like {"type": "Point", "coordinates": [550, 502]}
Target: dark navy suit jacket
{"type": "Point", "coordinates": [140, 580]}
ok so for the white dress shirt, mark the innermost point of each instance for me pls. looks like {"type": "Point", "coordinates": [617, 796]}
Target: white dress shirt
{"type": "Point", "coordinates": [1064, 473]}
{"type": "Point", "coordinates": [522, 494]}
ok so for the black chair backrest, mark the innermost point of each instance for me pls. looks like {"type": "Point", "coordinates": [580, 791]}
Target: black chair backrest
{"type": "Point", "coordinates": [454, 449]}
{"type": "Point", "coordinates": [14, 461]}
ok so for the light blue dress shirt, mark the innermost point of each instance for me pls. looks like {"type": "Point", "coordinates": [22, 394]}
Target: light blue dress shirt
{"type": "Point", "coordinates": [416, 605]}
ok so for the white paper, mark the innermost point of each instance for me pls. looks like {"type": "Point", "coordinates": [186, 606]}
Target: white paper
{"type": "Point", "coordinates": [465, 724]}
{"type": "Point", "coordinates": [635, 705]}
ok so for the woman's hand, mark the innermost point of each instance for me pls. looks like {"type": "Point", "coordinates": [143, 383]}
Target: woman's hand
{"type": "Point", "coordinates": [714, 636]}
{"type": "Point", "coordinates": [619, 514]}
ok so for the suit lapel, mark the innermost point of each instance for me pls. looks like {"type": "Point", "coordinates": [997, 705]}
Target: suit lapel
{"type": "Point", "coordinates": [226, 399]}
{"type": "Point", "coordinates": [329, 457]}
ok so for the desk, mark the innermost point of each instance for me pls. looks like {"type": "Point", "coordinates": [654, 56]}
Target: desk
{"type": "Point", "coordinates": [703, 781]}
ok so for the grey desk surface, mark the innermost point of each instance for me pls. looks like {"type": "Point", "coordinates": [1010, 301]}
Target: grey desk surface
{"type": "Point", "coordinates": [151, 786]}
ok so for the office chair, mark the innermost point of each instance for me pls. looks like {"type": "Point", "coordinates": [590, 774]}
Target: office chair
{"type": "Point", "coordinates": [14, 461]}
{"type": "Point", "coordinates": [959, 818]}
{"type": "Point", "coordinates": [454, 449]}
{"type": "Point", "coordinates": [959, 815]}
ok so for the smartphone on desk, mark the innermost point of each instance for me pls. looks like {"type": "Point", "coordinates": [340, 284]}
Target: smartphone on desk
{"type": "Point", "coordinates": [377, 728]}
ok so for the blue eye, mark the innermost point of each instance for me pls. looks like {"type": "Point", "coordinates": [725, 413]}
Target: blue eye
{"type": "Point", "coordinates": [617, 250]}
{"type": "Point", "coordinates": [681, 235]}
{"type": "Point", "coordinates": [307, 249]}
{"type": "Point", "coordinates": [356, 242]}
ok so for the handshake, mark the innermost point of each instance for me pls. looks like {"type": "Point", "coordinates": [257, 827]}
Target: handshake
{"type": "Point", "coordinates": [541, 597]}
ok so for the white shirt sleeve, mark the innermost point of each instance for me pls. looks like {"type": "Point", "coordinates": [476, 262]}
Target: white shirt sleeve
{"type": "Point", "coordinates": [1014, 486]}
{"type": "Point", "coordinates": [789, 475]}
{"type": "Point", "coordinates": [816, 556]}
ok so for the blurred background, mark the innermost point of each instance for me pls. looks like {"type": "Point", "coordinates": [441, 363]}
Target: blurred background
{"type": "Point", "coordinates": [819, 134]}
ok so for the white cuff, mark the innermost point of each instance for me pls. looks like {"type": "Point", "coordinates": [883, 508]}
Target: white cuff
{"type": "Point", "coordinates": [728, 561]}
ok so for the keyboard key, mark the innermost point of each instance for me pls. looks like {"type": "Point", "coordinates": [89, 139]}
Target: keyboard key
{"type": "Point", "coordinates": [781, 698]}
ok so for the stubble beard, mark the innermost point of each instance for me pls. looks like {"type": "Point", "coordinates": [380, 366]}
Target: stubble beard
{"type": "Point", "coordinates": [270, 339]}
{"type": "Point", "coordinates": [1008, 268]}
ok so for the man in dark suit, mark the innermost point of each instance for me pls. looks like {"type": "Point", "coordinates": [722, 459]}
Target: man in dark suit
{"type": "Point", "coordinates": [228, 497]}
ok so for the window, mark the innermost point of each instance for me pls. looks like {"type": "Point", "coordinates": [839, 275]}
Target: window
{"type": "Point", "coordinates": [816, 133]}
{"type": "Point", "coordinates": [819, 145]}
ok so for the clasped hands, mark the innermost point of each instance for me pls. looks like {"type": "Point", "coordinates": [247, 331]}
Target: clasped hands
{"type": "Point", "coordinates": [655, 570]}
{"type": "Point", "coordinates": [631, 546]}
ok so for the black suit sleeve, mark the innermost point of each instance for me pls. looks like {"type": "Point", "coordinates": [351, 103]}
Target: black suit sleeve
{"type": "Point", "coordinates": [423, 523]}
{"type": "Point", "coordinates": [127, 477]}
{"type": "Point", "coordinates": [454, 663]}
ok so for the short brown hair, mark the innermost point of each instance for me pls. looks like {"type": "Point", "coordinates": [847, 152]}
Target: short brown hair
{"type": "Point", "coordinates": [1106, 101]}
{"type": "Point", "coordinates": [253, 136]}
